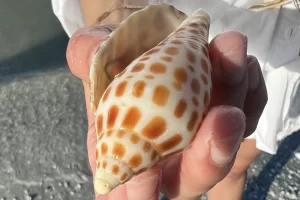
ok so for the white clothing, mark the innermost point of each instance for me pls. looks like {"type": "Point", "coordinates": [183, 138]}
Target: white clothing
{"type": "Point", "coordinates": [273, 37]}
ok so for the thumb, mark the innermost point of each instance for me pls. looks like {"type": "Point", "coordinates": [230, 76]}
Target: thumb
{"type": "Point", "coordinates": [83, 46]}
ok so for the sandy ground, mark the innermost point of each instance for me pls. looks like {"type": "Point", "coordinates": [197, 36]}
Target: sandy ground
{"type": "Point", "coordinates": [43, 122]}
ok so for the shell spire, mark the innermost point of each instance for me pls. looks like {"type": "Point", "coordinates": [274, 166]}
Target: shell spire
{"type": "Point", "coordinates": [155, 106]}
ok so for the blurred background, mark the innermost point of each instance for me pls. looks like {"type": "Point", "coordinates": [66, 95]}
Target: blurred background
{"type": "Point", "coordinates": [43, 118]}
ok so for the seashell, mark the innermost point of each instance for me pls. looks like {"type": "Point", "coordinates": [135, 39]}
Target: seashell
{"type": "Point", "coordinates": [153, 109]}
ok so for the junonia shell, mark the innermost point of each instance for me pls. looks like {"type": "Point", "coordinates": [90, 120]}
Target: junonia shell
{"type": "Point", "coordinates": [155, 106]}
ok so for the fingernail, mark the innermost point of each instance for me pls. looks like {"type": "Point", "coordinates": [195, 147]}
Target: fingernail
{"type": "Point", "coordinates": [253, 75]}
{"type": "Point", "coordinates": [224, 147]}
{"type": "Point", "coordinates": [234, 56]}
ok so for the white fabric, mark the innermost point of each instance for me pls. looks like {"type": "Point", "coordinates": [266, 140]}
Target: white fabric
{"type": "Point", "coordinates": [69, 14]}
{"type": "Point", "coordinates": [273, 37]}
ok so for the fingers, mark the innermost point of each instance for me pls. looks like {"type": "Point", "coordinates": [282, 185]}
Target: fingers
{"type": "Point", "coordinates": [82, 47]}
{"type": "Point", "coordinates": [237, 78]}
{"type": "Point", "coordinates": [228, 55]}
{"type": "Point", "coordinates": [210, 156]}
{"type": "Point", "coordinates": [257, 96]}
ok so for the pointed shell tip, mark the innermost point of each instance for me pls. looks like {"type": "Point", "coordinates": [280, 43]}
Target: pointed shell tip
{"type": "Point", "coordinates": [102, 186]}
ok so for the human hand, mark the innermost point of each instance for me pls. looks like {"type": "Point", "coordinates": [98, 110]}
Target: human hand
{"type": "Point", "coordinates": [237, 82]}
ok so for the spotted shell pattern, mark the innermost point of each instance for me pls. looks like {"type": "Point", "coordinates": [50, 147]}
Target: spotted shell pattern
{"type": "Point", "coordinates": [154, 108]}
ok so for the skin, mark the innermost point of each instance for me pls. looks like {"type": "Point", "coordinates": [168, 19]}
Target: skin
{"type": "Point", "coordinates": [217, 160]}
{"type": "Point", "coordinates": [213, 153]}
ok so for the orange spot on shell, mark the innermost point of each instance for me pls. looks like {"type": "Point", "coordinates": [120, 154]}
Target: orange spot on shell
{"type": "Point", "coordinates": [118, 150]}
{"type": "Point", "coordinates": [158, 68]}
{"type": "Point", "coordinates": [161, 95]}
{"type": "Point", "coordinates": [195, 101]}
{"type": "Point", "coordinates": [204, 79]}
{"type": "Point", "coordinates": [104, 149]}
{"type": "Point", "coordinates": [173, 51]}
{"type": "Point", "coordinates": [156, 127]}
{"type": "Point", "coordinates": [109, 133]}
{"type": "Point", "coordinates": [104, 164]}
{"type": "Point", "coordinates": [192, 121]}
{"type": "Point", "coordinates": [146, 146]}
{"type": "Point", "coordinates": [195, 85]}
{"type": "Point", "coordinates": [112, 116]}
{"type": "Point", "coordinates": [99, 125]}
{"type": "Point", "coordinates": [120, 90]}
{"type": "Point", "coordinates": [134, 139]}
{"type": "Point", "coordinates": [180, 75]}
{"type": "Point", "coordinates": [115, 169]}
{"type": "Point", "coordinates": [132, 117]}
{"type": "Point", "coordinates": [176, 42]}
{"type": "Point", "coordinates": [121, 133]}
{"type": "Point", "coordinates": [149, 77]}
{"type": "Point", "coordinates": [138, 67]}
{"type": "Point", "coordinates": [166, 58]}
{"type": "Point", "coordinates": [180, 108]}
{"type": "Point", "coordinates": [194, 25]}
{"type": "Point", "coordinates": [123, 177]}
{"type": "Point", "coordinates": [135, 161]}
{"type": "Point", "coordinates": [170, 143]}
{"type": "Point", "coordinates": [191, 56]}
{"type": "Point", "coordinates": [138, 88]}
